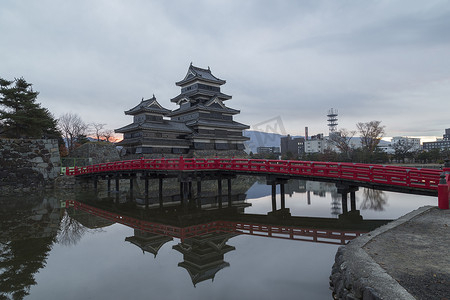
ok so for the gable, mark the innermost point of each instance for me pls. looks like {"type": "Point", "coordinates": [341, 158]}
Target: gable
{"type": "Point", "coordinates": [154, 104]}
{"type": "Point", "coordinates": [189, 74]}
{"type": "Point", "coordinates": [215, 102]}
{"type": "Point", "coordinates": [215, 105]}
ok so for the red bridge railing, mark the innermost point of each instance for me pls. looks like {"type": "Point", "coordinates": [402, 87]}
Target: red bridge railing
{"type": "Point", "coordinates": [390, 175]}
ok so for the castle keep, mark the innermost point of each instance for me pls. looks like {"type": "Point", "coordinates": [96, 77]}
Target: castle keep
{"type": "Point", "coordinates": [202, 125]}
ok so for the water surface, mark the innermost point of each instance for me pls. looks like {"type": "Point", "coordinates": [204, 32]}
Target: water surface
{"type": "Point", "coordinates": [53, 252]}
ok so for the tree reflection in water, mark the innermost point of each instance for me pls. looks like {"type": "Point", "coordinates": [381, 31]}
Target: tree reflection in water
{"type": "Point", "coordinates": [374, 199]}
{"type": "Point", "coordinates": [70, 231]}
{"type": "Point", "coordinates": [28, 231]}
{"type": "Point", "coordinates": [75, 224]}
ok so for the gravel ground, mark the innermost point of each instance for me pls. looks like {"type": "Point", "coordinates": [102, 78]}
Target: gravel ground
{"type": "Point", "coordinates": [417, 254]}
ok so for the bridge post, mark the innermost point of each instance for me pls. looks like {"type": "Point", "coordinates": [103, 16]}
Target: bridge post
{"type": "Point", "coordinates": [344, 203]}
{"type": "Point", "coordinates": [131, 185]}
{"type": "Point", "coordinates": [344, 189]}
{"type": "Point", "coordinates": [443, 191]}
{"type": "Point", "coordinates": [160, 192]}
{"type": "Point", "coordinates": [273, 181]}
{"type": "Point", "coordinates": [352, 201]}
{"type": "Point", "coordinates": [95, 182]}
{"type": "Point", "coordinates": [274, 196]}
{"type": "Point", "coordinates": [144, 176]}
{"type": "Point", "coordinates": [229, 191]}
{"type": "Point", "coordinates": [199, 194]}
{"type": "Point", "coordinates": [117, 183]}
{"type": "Point", "coordinates": [219, 187]}
{"type": "Point", "coordinates": [109, 183]}
{"type": "Point", "coordinates": [190, 194]}
{"type": "Point", "coordinates": [182, 191]}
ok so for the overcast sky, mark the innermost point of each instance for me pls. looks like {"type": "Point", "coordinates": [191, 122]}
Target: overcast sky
{"type": "Point", "coordinates": [286, 63]}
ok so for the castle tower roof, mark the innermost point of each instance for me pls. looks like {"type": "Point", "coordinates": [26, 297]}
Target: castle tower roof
{"type": "Point", "coordinates": [150, 106]}
{"type": "Point", "coordinates": [195, 73]}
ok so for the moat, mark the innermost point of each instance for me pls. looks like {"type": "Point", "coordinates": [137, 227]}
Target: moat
{"type": "Point", "coordinates": [117, 245]}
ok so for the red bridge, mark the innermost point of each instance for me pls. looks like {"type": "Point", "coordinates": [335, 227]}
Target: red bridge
{"type": "Point", "coordinates": [414, 179]}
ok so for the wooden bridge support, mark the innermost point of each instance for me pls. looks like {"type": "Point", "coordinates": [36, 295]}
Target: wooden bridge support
{"type": "Point", "coordinates": [146, 187]}
{"type": "Point", "coordinates": [229, 192]}
{"type": "Point", "coordinates": [344, 203]}
{"type": "Point", "coordinates": [160, 192]}
{"type": "Point", "coordinates": [352, 201]}
{"type": "Point", "coordinates": [344, 190]}
{"type": "Point", "coordinates": [199, 194]}
{"type": "Point", "coordinates": [274, 197]}
{"type": "Point", "coordinates": [181, 191]}
{"type": "Point", "coordinates": [353, 215]}
{"type": "Point", "coordinates": [184, 192]}
{"type": "Point", "coordinates": [272, 181]}
{"type": "Point", "coordinates": [219, 191]}
{"type": "Point", "coordinates": [131, 185]}
{"type": "Point", "coordinates": [283, 195]}
{"type": "Point", "coordinates": [190, 194]}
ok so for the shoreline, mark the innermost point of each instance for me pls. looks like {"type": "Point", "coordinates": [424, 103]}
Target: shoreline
{"type": "Point", "coordinates": [397, 260]}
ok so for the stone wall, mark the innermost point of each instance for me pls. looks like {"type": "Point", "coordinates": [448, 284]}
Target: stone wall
{"type": "Point", "coordinates": [345, 284]}
{"type": "Point", "coordinates": [28, 164]}
{"type": "Point", "coordinates": [97, 152]}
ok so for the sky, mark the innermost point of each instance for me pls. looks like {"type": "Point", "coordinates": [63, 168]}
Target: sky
{"type": "Point", "coordinates": [286, 63]}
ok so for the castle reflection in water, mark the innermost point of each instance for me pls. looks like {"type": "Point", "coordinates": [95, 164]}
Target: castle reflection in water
{"type": "Point", "coordinates": [204, 230]}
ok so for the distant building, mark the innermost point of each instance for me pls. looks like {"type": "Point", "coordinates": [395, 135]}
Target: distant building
{"type": "Point", "coordinates": [441, 144]}
{"type": "Point", "coordinates": [202, 125]}
{"type": "Point", "coordinates": [268, 150]}
{"type": "Point", "coordinates": [316, 144]}
{"type": "Point", "coordinates": [412, 143]}
{"type": "Point", "coordinates": [446, 136]}
{"type": "Point", "coordinates": [296, 146]}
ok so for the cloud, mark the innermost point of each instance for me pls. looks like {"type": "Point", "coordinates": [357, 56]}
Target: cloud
{"type": "Point", "coordinates": [370, 60]}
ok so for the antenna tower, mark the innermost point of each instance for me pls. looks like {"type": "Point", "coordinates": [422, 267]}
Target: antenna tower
{"type": "Point", "coordinates": [332, 120]}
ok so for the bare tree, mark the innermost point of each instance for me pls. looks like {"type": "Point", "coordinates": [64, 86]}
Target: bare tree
{"type": "Point", "coordinates": [108, 134]}
{"type": "Point", "coordinates": [402, 148]}
{"type": "Point", "coordinates": [371, 134]}
{"type": "Point", "coordinates": [98, 128]}
{"type": "Point", "coordinates": [341, 140]}
{"type": "Point", "coordinates": [72, 127]}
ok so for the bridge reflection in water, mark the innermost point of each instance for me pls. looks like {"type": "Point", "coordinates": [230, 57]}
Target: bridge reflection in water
{"type": "Point", "coordinates": [204, 227]}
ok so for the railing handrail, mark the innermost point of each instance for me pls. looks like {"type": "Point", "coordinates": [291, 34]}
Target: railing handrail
{"type": "Point", "coordinates": [393, 175]}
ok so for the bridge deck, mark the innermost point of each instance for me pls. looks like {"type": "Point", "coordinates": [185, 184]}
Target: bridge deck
{"type": "Point", "coordinates": [402, 179]}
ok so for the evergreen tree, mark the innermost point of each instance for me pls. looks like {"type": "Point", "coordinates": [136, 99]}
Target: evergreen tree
{"type": "Point", "coordinates": [20, 115]}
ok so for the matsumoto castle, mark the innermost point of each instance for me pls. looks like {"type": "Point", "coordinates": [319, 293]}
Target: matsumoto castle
{"type": "Point", "coordinates": [201, 126]}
